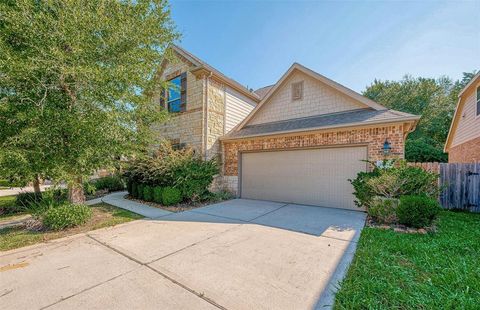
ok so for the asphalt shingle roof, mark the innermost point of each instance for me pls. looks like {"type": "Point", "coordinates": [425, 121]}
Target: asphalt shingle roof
{"type": "Point", "coordinates": [320, 121]}
{"type": "Point", "coordinates": [261, 92]}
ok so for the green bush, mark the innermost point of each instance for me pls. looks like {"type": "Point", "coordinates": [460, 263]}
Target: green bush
{"type": "Point", "coordinates": [182, 169]}
{"type": "Point", "coordinates": [140, 191]}
{"type": "Point", "coordinates": [383, 210]}
{"type": "Point", "coordinates": [66, 216]}
{"type": "Point", "coordinates": [417, 211]}
{"type": "Point", "coordinates": [9, 206]}
{"type": "Point", "coordinates": [393, 182]}
{"type": "Point", "coordinates": [134, 192]}
{"type": "Point", "coordinates": [157, 194]}
{"type": "Point", "coordinates": [363, 192]}
{"type": "Point", "coordinates": [89, 189]}
{"type": "Point", "coordinates": [9, 183]}
{"type": "Point", "coordinates": [129, 186]}
{"type": "Point", "coordinates": [171, 196]}
{"type": "Point", "coordinates": [110, 183]}
{"type": "Point", "coordinates": [147, 193]}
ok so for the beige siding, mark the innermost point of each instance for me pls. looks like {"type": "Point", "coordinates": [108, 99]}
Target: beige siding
{"type": "Point", "coordinates": [318, 98]}
{"type": "Point", "coordinates": [237, 108]}
{"type": "Point", "coordinates": [468, 127]}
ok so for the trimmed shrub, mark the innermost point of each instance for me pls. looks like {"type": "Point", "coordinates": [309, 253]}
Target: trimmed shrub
{"type": "Point", "coordinates": [140, 191]}
{"type": "Point", "coordinates": [157, 194]}
{"type": "Point", "coordinates": [171, 196]}
{"type": "Point", "coordinates": [393, 182]}
{"type": "Point", "coordinates": [383, 210]}
{"type": "Point", "coordinates": [66, 216]}
{"type": "Point", "coordinates": [363, 192]}
{"type": "Point", "coordinates": [147, 193]}
{"type": "Point", "coordinates": [134, 192]}
{"type": "Point", "coordinates": [417, 211]}
{"type": "Point", "coordinates": [110, 183]}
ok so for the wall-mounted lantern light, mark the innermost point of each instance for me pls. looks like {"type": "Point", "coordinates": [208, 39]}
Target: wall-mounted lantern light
{"type": "Point", "coordinates": [386, 147]}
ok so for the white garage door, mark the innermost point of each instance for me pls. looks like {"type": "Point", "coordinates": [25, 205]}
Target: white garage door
{"type": "Point", "coordinates": [308, 176]}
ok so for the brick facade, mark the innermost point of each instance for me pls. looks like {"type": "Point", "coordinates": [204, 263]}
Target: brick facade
{"type": "Point", "coordinates": [467, 152]}
{"type": "Point", "coordinates": [373, 137]}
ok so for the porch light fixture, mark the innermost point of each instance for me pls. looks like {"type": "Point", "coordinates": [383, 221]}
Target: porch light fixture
{"type": "Point", "coordinates": [386, 147]}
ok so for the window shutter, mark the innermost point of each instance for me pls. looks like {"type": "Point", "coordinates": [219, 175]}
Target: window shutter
{"type": "Point", "coordinates": [163, 94]}
{"type": "Point", "coordinates": [183, 91]}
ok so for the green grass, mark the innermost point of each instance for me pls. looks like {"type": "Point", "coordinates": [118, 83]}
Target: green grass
{"type": "Point", "coordinates": [104, 215]}
{"type": "Point", "coordinates": [410, 271]}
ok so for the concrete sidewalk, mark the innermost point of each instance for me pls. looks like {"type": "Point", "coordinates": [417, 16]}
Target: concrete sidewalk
{"type": "Point", "coordinates": [117, 200]}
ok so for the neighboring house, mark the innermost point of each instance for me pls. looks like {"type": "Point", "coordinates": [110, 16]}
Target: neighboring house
{"type": "Point", "coordinates": [306, 138]}
{"type": "Point", "coordinates": [204, 104]}
{"type": "Point", "coordinates": [463, 141]}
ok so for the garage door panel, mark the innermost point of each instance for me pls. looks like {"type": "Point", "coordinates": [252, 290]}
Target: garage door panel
{"type": "Point", "coordinates": [309, 176]}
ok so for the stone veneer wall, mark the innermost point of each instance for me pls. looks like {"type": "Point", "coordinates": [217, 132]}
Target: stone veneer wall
{"type": "Point", "coordinates": [467, 152]}
{"type": "Point", "coordinates": [186, 126]}
{"type": "Point", "coordinates": [216, 117]}
{"type": "Point", "coordinates": [374, 137]}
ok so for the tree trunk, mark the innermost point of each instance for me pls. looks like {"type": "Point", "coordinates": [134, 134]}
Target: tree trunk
{"type": "Point", "coordinates": [36, 185]}
{"type": "Point", "coordinates": [75, 191]}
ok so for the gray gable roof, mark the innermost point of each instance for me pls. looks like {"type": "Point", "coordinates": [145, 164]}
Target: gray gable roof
{"type": "Point", "coordinates": [324, 121]}
{"type": "Point", "coordinates": [262, 92]}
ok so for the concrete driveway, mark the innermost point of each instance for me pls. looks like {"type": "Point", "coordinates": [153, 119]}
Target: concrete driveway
{"type": "Point", "coordinates": [239, 254]}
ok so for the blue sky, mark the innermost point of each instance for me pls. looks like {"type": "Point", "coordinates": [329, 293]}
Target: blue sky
{"type": "Point", "coordinates": [351, 42]}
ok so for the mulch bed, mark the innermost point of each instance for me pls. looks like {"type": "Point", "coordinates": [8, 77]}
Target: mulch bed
{"type": "Point", "coordinates": [184, 206]}
{"type": "Point", "coordinates": [400, 228]}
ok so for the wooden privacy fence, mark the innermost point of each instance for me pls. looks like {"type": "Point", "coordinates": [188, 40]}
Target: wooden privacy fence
{"type": "Point", "coordinates": [460, 183]}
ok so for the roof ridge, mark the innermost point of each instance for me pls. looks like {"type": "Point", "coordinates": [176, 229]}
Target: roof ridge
{"type": "Point", "coordinates": [218, 72]}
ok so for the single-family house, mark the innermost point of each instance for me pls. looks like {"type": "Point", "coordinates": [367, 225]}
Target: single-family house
{"type": "Point", "coordinates": [297, 141]}
{"type": "Point", "coordinates": [463, 141]}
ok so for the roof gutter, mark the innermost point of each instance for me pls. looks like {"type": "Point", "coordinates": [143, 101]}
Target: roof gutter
{"type": "Point", "coordinates": [203, 70]}
{"type": "Point", "coordinates": [415, 119]}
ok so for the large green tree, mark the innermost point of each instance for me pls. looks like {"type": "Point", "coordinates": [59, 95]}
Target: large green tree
{"type": "Point", "coordinates": [433, 99]}
{"type": "Point", "coordinates": [76, 81]}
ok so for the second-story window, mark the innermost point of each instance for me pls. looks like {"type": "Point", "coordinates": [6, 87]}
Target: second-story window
{"type": "Point", "coordinates": [175, 97]}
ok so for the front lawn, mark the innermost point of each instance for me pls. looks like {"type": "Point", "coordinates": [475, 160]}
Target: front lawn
{"type": "Point", "coordinates": [412, 271]}
{"type": "Point", "coordinates": [104, 215]}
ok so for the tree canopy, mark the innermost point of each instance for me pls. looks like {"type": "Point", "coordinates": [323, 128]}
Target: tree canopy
{"type": "Point", "coordinates": [76, 80]}
{"type": "Point", "coordinates": [433, 99]}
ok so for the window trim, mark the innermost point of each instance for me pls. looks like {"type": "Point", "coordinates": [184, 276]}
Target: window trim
{"type": "Point", "coordinates": [179, 99]}
{"type": "Point", "coordinates": [164, 100]}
